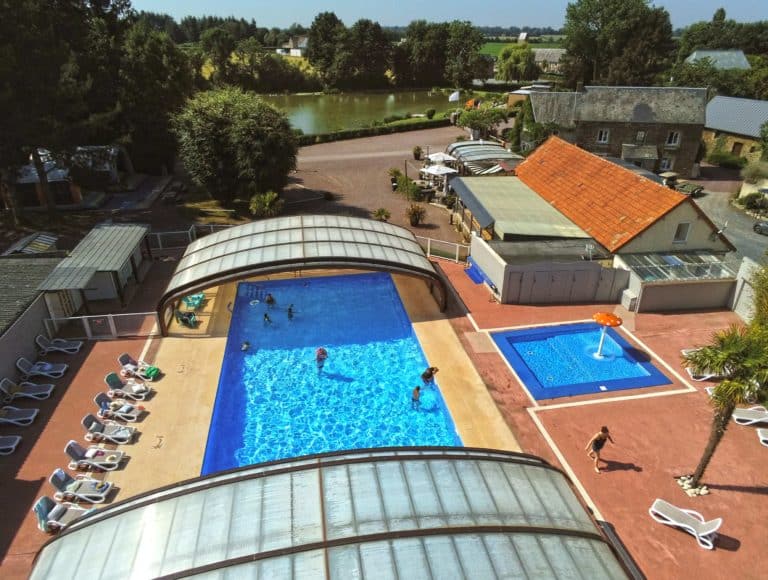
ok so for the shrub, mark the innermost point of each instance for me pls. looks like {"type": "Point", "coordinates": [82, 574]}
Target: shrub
{"type": "Point", "coordinates": [430, 113]}
{"type": "Point", "coordinates": [382, 214]}
{"type": "Point", "coordinates": [264, 205]}
{"type": "Point", "coordinates": [728, 160]}
{"type": "Point", "coordinates": [753, 201]}
{"type": "Point", "coordinates": [450, 201]}
{"type": "Point", "coordinates": [394, 172]}
{"type": "Point", "coordinates": [415, 213]}
{"type": "Point", "coordinates": [417, 152]}
{"type": "Point", "coordinates": [756, 171]}
{"type": "Point", "coordinates": [371, 131]}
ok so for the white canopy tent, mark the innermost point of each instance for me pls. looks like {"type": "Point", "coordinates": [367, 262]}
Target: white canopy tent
{"type": "Point", "coordinates": [441, 157]}
{"type": "Point", "coordinates": [438, 170]}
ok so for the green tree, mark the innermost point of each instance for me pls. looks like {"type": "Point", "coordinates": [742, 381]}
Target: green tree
{"type": "Point", "coordinates": [324, 37]}
{"type": "Point", "coordinates": [463, 58]}
{"type": "Point", "coordinates": [482, 120]}
{"type": "Point", "coordinates": [717, 34]}
{"type": "Point", "coordinates": [155, 80]}
{"type": "Point", "coordinates": [421, 58]}
{"type": "Point", "coordinates": [606, 41]}
{"type": "Point", "coordinates": [266, 205]}
{"type": "Point", "coordinates": [517, 62]}
{"type": "Point", "coordinates": [739, 354]}
{"type": "Point", "coordinates": [218, 44]}
{"type": "Point", "coordinates": [764, 142]}
{"type": "Point", "coordinates": [233, 143]}
{"type": "Point", "coordinates": [370, 51]}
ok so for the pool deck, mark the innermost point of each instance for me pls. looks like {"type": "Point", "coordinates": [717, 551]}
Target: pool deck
{"type": "Point", "coordinates": [659, 432]}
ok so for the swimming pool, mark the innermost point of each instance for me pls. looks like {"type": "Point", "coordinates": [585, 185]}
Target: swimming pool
{"type": "Point", "coordinates": [559, 361]}
{"type": "Point", "coordinates": [272, 402]}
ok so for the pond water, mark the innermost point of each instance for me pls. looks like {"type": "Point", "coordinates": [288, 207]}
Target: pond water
{"type": "Point", "coordinates": [318, 113]}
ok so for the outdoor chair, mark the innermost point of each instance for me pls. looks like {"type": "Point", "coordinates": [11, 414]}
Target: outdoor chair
{"type": "Point", "coordinates": [188, 319]}
{"type": "Point", "coordinates": [94, 458]}
{"type": "Point", "coordinates": [8, 444]}
{"type": "Point", "coordinates": [692, 522]}
{"type": "Point", "coordinates": [116, 433]}
{"type": "Point", "coordinates": [16, 416]}
{"type": "Point", "coordinates": [194, 301]}
{"type": "Point", "coordinates": [751, 416]}
{"type": "Point", "coordinates": [130, 388]}
{"type": "Point", "coordinates": [117, 408]}
{"type": "Point", "coordinates": [43, 369]}
{"type": "Point", "coordinates": [705, 375]}
{"type": "Point", "coordinates": [762, 435]}
{"type": "Point", "coordinates": [78, 488]}
{"type": "Point", "coordinates": [48, 345]}
{"type": "Point", "coordinates": [53, 517]}
{"type": "Point", "coordinates": [10, 391]}
{"type": "Point", "coordinates": [130, 367]}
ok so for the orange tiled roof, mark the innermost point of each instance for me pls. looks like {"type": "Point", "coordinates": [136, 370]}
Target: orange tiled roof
{"type": "Point", "coordinates": [610, 203]}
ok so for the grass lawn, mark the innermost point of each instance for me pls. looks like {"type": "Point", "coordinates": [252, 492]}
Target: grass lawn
{"type": "Point", "coordinates": [494, 48]}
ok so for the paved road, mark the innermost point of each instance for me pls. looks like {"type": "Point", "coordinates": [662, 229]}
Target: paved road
{"type": "Point", "coordinates": [739, 229]}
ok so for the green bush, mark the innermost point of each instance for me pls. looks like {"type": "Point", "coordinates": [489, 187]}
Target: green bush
{"type": "Point", "coordinates": [393, 118]}
{"type": "Point", "coordinates": [430, 113]}
{"type": "Point", "coordinates": [753, 201]}
{"type": "Point", "coordinates": [371, 131]}
{"type": "Point", "coordinates": [756, 171]}
{"type": "Point", "coordinates": [728, 160]}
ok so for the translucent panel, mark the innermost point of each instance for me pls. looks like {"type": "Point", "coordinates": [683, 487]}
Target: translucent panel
{"type": "Point", "coordinates": [225, 517]}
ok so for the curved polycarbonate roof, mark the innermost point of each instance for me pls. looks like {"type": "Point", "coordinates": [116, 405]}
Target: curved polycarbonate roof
{"type": "Point", "coordinates": [297, 242]}
{"type": "Point", "coordinates": [431, 513]}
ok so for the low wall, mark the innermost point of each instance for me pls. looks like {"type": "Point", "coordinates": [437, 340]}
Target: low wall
{"type": "Point", "coordinates": [19, 339]}
{"type": "Point", "coordinates": [686, 295]}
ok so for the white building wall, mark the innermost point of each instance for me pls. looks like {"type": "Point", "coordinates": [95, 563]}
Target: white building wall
{"type": "Point", "coordinates": [660, 236]}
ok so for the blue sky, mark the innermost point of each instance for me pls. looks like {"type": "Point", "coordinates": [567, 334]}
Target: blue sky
{"type": "Point", "coordinates": [391, 13]}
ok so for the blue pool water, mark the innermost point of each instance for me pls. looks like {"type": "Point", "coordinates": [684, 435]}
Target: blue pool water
{"type": "Point", "coordinates": [272, 403]}
{"type": "Point", "coordinates": [559, 361]}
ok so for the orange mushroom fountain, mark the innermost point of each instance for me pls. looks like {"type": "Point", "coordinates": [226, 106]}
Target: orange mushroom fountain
{"type": "Point", "coordinates": [606, 320]}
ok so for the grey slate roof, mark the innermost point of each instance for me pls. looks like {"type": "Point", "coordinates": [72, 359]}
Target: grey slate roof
{"type": "Point", "coordinates": [667, 105]}
{"type": "Point", "coordinates": [739, 116]}
{"type": "Point", "coordinates": [105, 249]}
{"type": "Point", "coordinates": [721, 59]}
{"type": "Point", "coordinates": [548, 55]}
{"type": "Point", "coordinates": [20, 277]}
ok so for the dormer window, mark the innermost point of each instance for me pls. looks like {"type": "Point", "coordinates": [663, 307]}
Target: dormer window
{"type": "Point", "coordinates": [681, 233]}
{"type": "Point", "coordinates": [603, 135]}
{"type": "Point", "coordinates": [673, 139]}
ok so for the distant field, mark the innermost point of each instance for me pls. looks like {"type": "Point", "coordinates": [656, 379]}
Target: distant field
{"type": "Point", "coordinates": [494, 48]}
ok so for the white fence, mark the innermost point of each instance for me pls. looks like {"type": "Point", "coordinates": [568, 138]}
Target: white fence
{"type": "Point", "coordinates": [446, 250]}
{"type": "Point", "coordinates": [104, 326]}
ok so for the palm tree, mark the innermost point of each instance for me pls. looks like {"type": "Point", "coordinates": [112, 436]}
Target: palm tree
{"type": "Point", "coordinates": [741, 355]}
{"type": "Point", "coordinates": [266, 205]}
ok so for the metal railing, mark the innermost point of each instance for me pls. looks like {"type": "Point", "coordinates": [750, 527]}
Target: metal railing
{"type": "Point", "coordinates": [445, 250]}
{"type": "Point", "coordinates": [104, 326]}
{"type": "Point", "coordinates": [182, 238]}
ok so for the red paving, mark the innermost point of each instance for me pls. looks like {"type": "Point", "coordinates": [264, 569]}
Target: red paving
{"type": "Point", "coordinates": [657, 438]}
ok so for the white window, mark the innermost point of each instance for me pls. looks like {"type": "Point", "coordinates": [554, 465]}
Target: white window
{"type": "Point", "coordinates": [673, 139]}
{"type": "Point", "coordinates": [666, 163]}
{"type": "Point", "coordinates": [681, 233]}
{"type": "Point", "coordinates": [603, 135]}
{"type": "Point", "coordinates": [640, 137]}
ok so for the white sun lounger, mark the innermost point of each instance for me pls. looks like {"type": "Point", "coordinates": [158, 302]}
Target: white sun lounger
{"type": "Point", "coordinates": [130, 388]}
{"type": "Point", "coordinates": [24, 390]}
{"type": "Point", "coordinates": [43, 369]}
{"type": "Point", "coordinates": [703, 376]}
{"type": "Point", "coordinates": [78, 488]}
{"type": "Point", "coordinates": [53, 517]}
{"type": "Point", "coordinates": [136, 368]}
{"type": "Point", "coordinates": [19, 417]}
{"type": "Point", "coordinates": [751, 416]}
{"type": "Point", "coordinates": [8, 444]}
{"type": "Point", "coordinates": [117, 408]}
{"type": "Point", "coordinates": [48, 345]}
{"type": "Point", "coordinates": [762, 435]}
{"type": "Point", "coordinates": [116, 433]}
{"type": "Point", "coordinates": [692, 522]}
{"type": "Point", "coordinates": [94, 457]}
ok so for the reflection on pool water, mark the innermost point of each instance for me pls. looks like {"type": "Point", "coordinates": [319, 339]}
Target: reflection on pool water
{"type": "Point", "coordinates": [272, 402]}
{"type": "Point", "coordinates": [560, 361]}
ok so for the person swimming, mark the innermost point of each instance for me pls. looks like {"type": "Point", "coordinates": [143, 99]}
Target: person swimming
{"type": "Point", "coordinates": [270, 300]}
{"type": "Point", "coordinates": [290, 312]}
{"type": "Point", "coordinates": [320, 357]}
{"type": "Point", "coordinates": [267, 319]}
{"type": "Point", "coordinates": [245, 346]}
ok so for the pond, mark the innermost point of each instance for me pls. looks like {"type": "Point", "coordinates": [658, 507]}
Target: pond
{"type": "Point", "coordinates": [318, 113]}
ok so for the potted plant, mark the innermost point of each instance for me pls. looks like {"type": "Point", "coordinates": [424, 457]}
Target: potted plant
{"type": "Point", "coordinates": [416, 213]}
{"type": "Point", "coordinates": [417, 151]}
{"type": "Point", "coordinates": [382, 214]}
{"type": "Point", "coordinates": [394, 177]}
